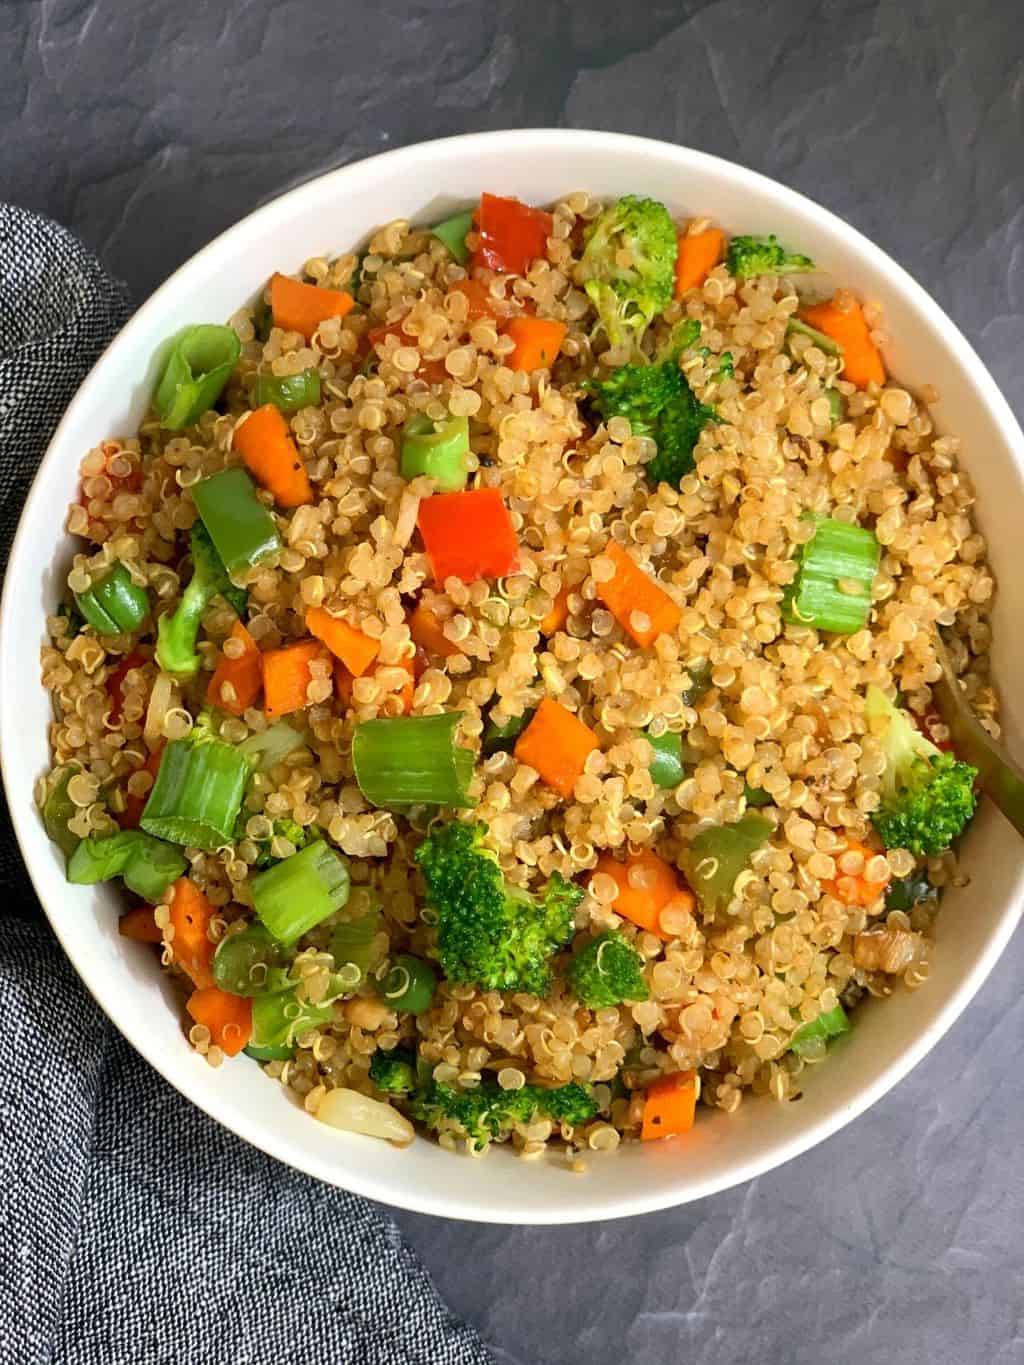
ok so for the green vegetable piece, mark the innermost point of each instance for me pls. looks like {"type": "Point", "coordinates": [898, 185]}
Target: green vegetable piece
{"type": "Point", "coordinates": [490, 933]}
{"type": "Point", "coordinates": [749, 256]}
{"type": "Point", "coordinates": [277, 1020]}
{"type": "Point", "coordinates": [832, 590]}
{"type": "Point", "coordinates": [700, 682]}
{"type": "Point", "coordinates": [795, 326]}
{"type": "Point", "coordinates": [928, 797]}
{"type": "Point", "coordinates": [837, 405]}
{"type": "Point", "coordinates": [114, 605]}
{"type": "Point", "coordinates": [300, 892]}
{"type": "Point", "coordinates": [412, 760]}
{"type": "Point", "coordinates": [726, 365]}
{"type": "Point", "coordinates": [269, 747]}
{"type": "Point", "coordinates": [250, 963]}
{"type": "Point", "coordinates": [718, 855]}
{"type": "Point", "coordinates": [607, 971]}
{"type": "Point", "coordinates": [659, 403]}
{"type": "Point", "coordinates": [146, 865]}
{"type": "Point", "coordinates": [756, 796]}
{"type": "Point", "coordinates": [201, 362]}
{"type": "Point", "coordinates": [288, 392]}
{"type": "Point", "coordinates": [394, 1071]}
{"type": "Point", "coordinates": [288, 829]}
{"type": "Point", "coordinates": [667, 767]}
{"type": "Point", "coordinates": [628, 266]}
{"type": "Point", "coordinates": [905, 892]}
{"type": "Point", "coordinates": [239, 525]}
{"type": "Point", "coordinates": [269, 1054]}
{"type": "Point", "coordinates": [355, 943]}
{"type": "Point", "coordinates": [831, 1024]}
{"type": "Point", "coordinates": [409, 985]}
{"type": "Point", "coordinates": [197, 793]}
{"type": "Point", "coordinates": [59, 810]}
{"type": "Point", "coordinates": [178, 631]}
{"type": "Point", "coordinates": [502, 738]}
{"type": "Point", "coordinates": [438, 450]}
{"type": "Point", "coordinates": [262, 320]}
{"type": "Point", "coordinates": [452, 232]}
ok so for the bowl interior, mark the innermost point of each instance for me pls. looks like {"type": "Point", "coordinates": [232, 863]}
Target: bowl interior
{"type": "Point", "coordinates": [330, 215]}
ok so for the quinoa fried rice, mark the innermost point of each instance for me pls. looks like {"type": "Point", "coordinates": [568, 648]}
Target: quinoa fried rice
{"type": "Point", "coordinates": [772, 712]}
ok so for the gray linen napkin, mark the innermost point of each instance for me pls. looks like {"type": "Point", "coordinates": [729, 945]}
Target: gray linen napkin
{"type": "Point", "coordinates": [133, 1228]}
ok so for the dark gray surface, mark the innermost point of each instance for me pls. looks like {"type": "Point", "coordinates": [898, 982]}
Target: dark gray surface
{"type": "Point", "coordinates": [148, 127]}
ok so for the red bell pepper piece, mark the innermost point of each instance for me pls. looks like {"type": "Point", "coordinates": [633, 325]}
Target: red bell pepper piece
{"type": "Point", "coordinates": [512, 235]}
{"type": "Point", "coordinates": [468, 535]}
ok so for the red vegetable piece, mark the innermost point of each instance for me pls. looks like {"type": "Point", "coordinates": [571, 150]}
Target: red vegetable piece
{"type": "Point", "coordinates": [512, 235]}
{"type": "Point", "coordinates": [468, 535]}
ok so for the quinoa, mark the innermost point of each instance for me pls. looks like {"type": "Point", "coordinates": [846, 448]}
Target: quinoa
{"type": "Point", "coordinates": [783, 712]}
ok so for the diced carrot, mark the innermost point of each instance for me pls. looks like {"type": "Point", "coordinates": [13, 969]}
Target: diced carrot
{"type": "Point", "coordinates": [854, 888]}
{"type": "Point", "coordinates": [632, 594]}
{"type": "Point", "coordinates": [538, 341]}
{"type": "Point", "coordinates": [670, 1106]}
{"type": "Point", "coordinates": [286, 675]}
{"type": "Point", "coordinates": [190, 944]}
{"type": "Point", "coordinates": [427, 631]}
{"type": "Point", "coordinates": [698, 256]}
{"type": "Point", "coordinates": [272, 457]}
{"type": "Point", "coordinates": [140, 924]}
{"type": "Point", "coordinates": [559, 613]}
{"type": "Point", "coordinates": [355, 650]}
{"type": "Point", "coordinates": [482, 303]}
{"type": "Point", "coordinates": [134, 805]}
{"type": "Point", "coordinates": [647, 886]}
{"type": "Point", "coordinates": [512, 235]}
{"type": "Point", "coordinates": [228, 1017]}
{"type": "Point", "coordinates": [242, 676]}
{"type": "Point", "coordinates": [468, 535]}
{"type": "Point", "coordinates": [556, 742]}
{"type": "Point", "coordinates": [115, 682]}
{"type": "Point", "coordinates": [299, 307]}
{"type": "Point", "coordinates": [862, 360]}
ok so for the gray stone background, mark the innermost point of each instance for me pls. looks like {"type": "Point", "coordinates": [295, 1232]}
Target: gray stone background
{"type": "Point", "coordinates": [149, 126]}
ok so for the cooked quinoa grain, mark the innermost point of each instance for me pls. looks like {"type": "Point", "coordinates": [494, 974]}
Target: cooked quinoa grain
{"type": "Point", "coordinates": [765, 710]}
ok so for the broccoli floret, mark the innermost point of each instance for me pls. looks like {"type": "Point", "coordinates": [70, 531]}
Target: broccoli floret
{"type": "Point", "coordinates": [491, 934]}
{"type": "Point", "coordinates": [927, 796]}
{"type": "Point", "coordinates": [487, 1112]}
{"type": "Point", "coordinates": [726, 365]}
{"type": "Point", "coordinates": [628, 266]}
{"type": "Point", "coordinates": [607, 971]}
{"type": "Point", "coordinates": [749, 256]}
{"type": "Point", "coordinates": [177, 633]}
{"type": "Point", "coordinates": [659, 403]}
{"type": "Point", "coordinates": [394, 1072]}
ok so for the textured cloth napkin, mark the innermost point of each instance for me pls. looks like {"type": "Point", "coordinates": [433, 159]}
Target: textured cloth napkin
{"type": "Point", "coordinates": [133, 1229]}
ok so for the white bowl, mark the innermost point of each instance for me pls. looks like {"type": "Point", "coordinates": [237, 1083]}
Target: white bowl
{"type": "Point", "coordinates": [331, 214]}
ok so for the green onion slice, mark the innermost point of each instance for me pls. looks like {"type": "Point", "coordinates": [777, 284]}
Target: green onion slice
{"type": "Point", "coordinates": [250, 963]}
{"type": "Point", "coordinates": [269, 1054]}
{"type": "Point", "coordinates": [201, 361]}
{"type": "Point", "coordinates": [241, 528]}
{"type": "Point", "coordinates": [408, 985]}
{"type": "Point", "coordinates": [836, 405]}
{"type": "Point", "coordinates": [438, 450]}
{"type": "Point", "coordinates": [289, 392]}
{"type": "Point", "coordinates": [823, 342]}
{"type": "Point", "coordinates": [114, 604]}
{"type": "Point", "coordinates": [147, 865]}
{"type": "Point", "coordinates": [502, 738]}
{"type": "Point", "coordinates": [277, 1020]}
{"type": "Point", "coordinates": [671, 754]}
{"type": "Point", "coordinates": [412, 760]}
{"type": "Point", "coordinates": [453, 233]}
{"type": "Point", "coordinates": [355, 945]}
{"type": "Point", "coordinates": [718, 855]}
{"type": "Point", "coordinates": [832, 590]}
{"type": "Point", "coordinates": [197, 793]}
{"type": "Point", "coordinates": [831, 1024]}
{"type": "Point", "coordinates": [59, 810]}
{"type": "Point", "coordinates": [299, 892]}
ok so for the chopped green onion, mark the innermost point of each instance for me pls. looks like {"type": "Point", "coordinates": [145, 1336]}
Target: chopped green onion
{"type": "Point", "coordinates": [250, 962]}
{"type": "Point", "coordinates": [240, 527]}
{"type": "Point", "coordinates": [718, 855]}
{"type": "Point", "coordinates": [178, 631]}
{"type": "Point", "coordinates": [355, 943]}
{"type": "Point", "coordinates": [289, 392]}
{"type": "Point", "coordinates": [299, 892]}
{"type": "Point", "coordinates": [832, 590]}
{"type": "Point", "coordinates": [700, 682]}
{"type": "Point", "coordinates": [502, 738]}
{"type": "Point", "coordinates": [262, 319]}
{"type": "Point", "coordinates": [438, 450]}
{"type": "Point", "coordinates": [146, 865]}
{"type": "Point", "coordinates": [114, 605]}
{"type": "Point", "coordinates": [726, 366]}
{"type": "Point", "coordinates": [671, 754]}
{"type": "Point", "coordinates": [277, 1020]}
{"type": "Point", "coordinates": [756, 796]}
{"type": "Point", "coordinates": [832, 1024]}
{"type": "Point", "coordinates": [453, 233]}
{"type": "Point", "coordinates": [412, 760]}
{"type": "Point", "coordinates": [906, 892]}
{"type": "Point", "coordinates": [201, 361]}
{"type": "Point", "coordinates": [197, 793]}
{"type": "Point", "coordinates": [59, 810]}
{"type": "Point", "coordinates": [271, 746]}
{"type": "Point", "coordinates": [409, 984]}
{"type": "Point", "coordinates": [836, 405]}
{"type": "Point", "coordinates": [268, 1054]}
{"type": "Point", "coordinates": [823, 342]}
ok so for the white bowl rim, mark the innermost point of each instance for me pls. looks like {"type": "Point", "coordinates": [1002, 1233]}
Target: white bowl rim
{"type": "Point", "coordinates": [585, 1208]}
